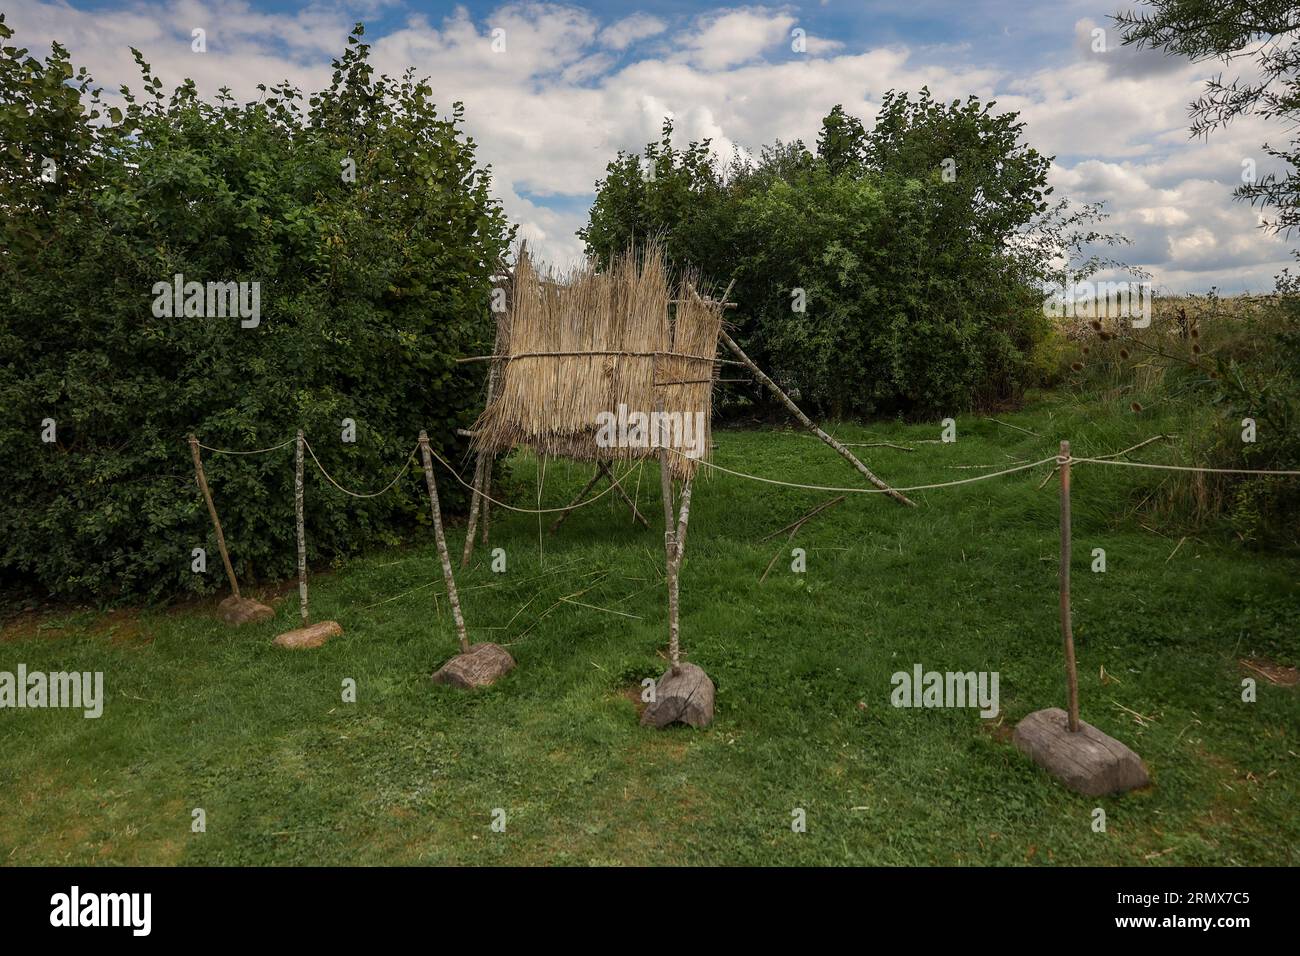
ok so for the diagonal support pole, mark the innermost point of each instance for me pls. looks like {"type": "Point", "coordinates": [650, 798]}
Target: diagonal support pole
{"type": "Point", "coordinates": [808, 423]}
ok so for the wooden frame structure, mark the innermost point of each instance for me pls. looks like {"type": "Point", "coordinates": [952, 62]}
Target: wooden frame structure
{"type": "Point", "coordinates": [633, 343]}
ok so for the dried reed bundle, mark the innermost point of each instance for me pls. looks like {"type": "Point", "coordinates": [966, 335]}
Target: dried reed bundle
{"type": "Point", "coordinates": [578, 350]}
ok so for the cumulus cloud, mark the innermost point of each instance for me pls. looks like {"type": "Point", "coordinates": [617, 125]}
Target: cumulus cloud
{"type": "Point", "coordinates": [551, 105]}
{"type": "Point", "coordinates": [623, 33]}
{"type": "Point", "coordinates": [720, 40]}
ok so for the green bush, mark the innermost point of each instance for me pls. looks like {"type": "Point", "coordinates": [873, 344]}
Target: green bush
{"type": "Point", "coordinates": [371, 286]}
{"type": "Point", "coordinates": [1202, 367]}
{"type": "Point", "coordinates": [903, 244]}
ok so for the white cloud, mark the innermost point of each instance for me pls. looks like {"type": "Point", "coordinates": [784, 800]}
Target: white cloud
{"type": "Point", "coordinates": [719, 40]}
{"type": "Point", "coordinates": [625, 32]}
{"type": "Point", "coordinates": [551, 110]}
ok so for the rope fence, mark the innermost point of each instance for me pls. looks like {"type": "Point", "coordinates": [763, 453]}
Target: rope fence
{"type": "Point", "coordinates": [1216, 471]}
{"type": "Point", "coordinates": [528, 511]}
{"type": "Point", "coordinates": [1056, 459]}
{"type": "Point", "coordinates": [255, 451]}
{"type": "Point", "coordinates": [410, 457]}
{"type": "Point", "coordinates": [873, 491]}
{"type": "Point", "coordinates": [356, 494]}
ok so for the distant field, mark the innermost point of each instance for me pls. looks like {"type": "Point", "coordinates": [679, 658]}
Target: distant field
{"type": "Point", "coordinates": [198, 715]}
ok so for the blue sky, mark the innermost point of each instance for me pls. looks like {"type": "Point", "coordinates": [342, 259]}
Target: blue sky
{"type": "Point", "coordinates": [576, 82]}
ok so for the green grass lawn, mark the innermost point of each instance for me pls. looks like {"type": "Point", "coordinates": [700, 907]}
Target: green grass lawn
{"type": "Point", "coordinates": [199, 715]}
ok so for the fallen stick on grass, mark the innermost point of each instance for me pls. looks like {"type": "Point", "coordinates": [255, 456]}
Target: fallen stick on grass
{"type": "Point", "coordinates": [798, 522]}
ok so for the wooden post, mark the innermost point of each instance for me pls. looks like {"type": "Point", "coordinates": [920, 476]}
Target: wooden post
{"type": "Point", "coordinates": [485, 506]}
{"type": "Point", "coordinates": [670, 542]}
{"type": "Point", "coordinates": [808, 423]}
{"type": "Point", "coordinates": [212, 512]}
{"type": "Point", "coordinates": [1067, 635]}
{"type": "Point", "coordinates": [684, 516]}
{"type": "Point", "coordinates": [443, 555]}
{"type": "Point", "coordinates": [679, 542]}
{"type": "Point", "coordinates": [482, 474]}
{"type": "Point", "coordinates": [302, 534]}
{"type": "Point", "coordinates": [472, 527]}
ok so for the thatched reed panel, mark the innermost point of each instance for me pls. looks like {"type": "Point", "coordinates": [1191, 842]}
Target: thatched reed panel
{"type": "Point", "coordinates": [575, 348]}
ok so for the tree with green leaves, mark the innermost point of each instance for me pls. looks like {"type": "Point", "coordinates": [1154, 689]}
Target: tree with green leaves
{"type": "Point", "coordinates": [893, 271]}
{"type": "Point", "coordinates": [1263, 34]}
{"type": "Point", "coordinates": [666, 194]}
{"type": "Point", "coordinates": [364, 216]}
{"type": "Point", "coordinates": [842, 142]}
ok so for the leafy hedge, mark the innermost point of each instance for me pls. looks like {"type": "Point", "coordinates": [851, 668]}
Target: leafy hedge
{"type": "Point", "coordinates": [918, 248]}
{"type": "Point", "coordinates": [371, 286]}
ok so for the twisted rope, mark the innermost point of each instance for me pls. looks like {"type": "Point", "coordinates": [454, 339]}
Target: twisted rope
{"type": "Point", "coordinates": [871, 491]}
{"type": "Point", "coordinates": [1217, 471]}
{"type": "Point", "coordinates": [526, 511]}
{"type": "Point", "coordinates": [355, 494]}
{"type": "Point", "coordinates": [255, 451]}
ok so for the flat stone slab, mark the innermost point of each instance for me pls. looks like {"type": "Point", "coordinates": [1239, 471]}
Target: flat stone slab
{"type": "Point", "coordinates": [480, 666]}
{"type": "Point", "coordinates": [1087, 761]}
{"type": "Point", "coordinates": [241, 610]}
{"type": "Point", "coordinates": [313, 635]}
{"type": "Point", "coordinates": [685, 697]}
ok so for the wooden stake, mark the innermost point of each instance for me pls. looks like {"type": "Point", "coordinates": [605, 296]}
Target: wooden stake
{"type": "Point", "coordinates": [212, 512]}
{"type": "Point", "coordinates": [1067, 635]}
{"type": "Point", "coordinates": [684, 516]}
{"type": "Point", "coordinates": [602, 471]}
{"type": "Point", "coordinates": [674, 603]}
{"type": "Point", "coordinates": [443, 555]}
{"type": "Point", "coordinates": [472, 527]}
{"type": "Point", "coordinates": [485, 506]}
{"type": "Point", "coordinates": [482, 477]}
{"type": "Point", "coordinates": [302, 534]}
{"type": "Point", "coordinates": [670, 542]}
{"type": "Point", "coordinates": [800, 522]}
{"type": "Point", "coordinates": [808, 423]}
{"type": "Point", "coordinates": [555, 526]}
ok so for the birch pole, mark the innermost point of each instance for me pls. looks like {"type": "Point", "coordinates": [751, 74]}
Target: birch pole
{"type": "Point", "coordinates": [475, 500]}
{"type": "Point", "coordinates": [670, 543]}
{"type": "Point", "coordinates": [1067, 635]}
{"type": "Point", "coordinates": [443, 555]}
{"type": "Point", "coordinates": [302, 533]}
{"type": "Point", "coordinates": [212, 513]}
{"type": "Point", "coordinates": [482, 473]}
{"type": "Point", "coordinates": [808, 423]}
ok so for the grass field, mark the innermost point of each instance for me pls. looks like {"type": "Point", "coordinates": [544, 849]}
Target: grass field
{"type": "Point", "coordinates": [198, 715]}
